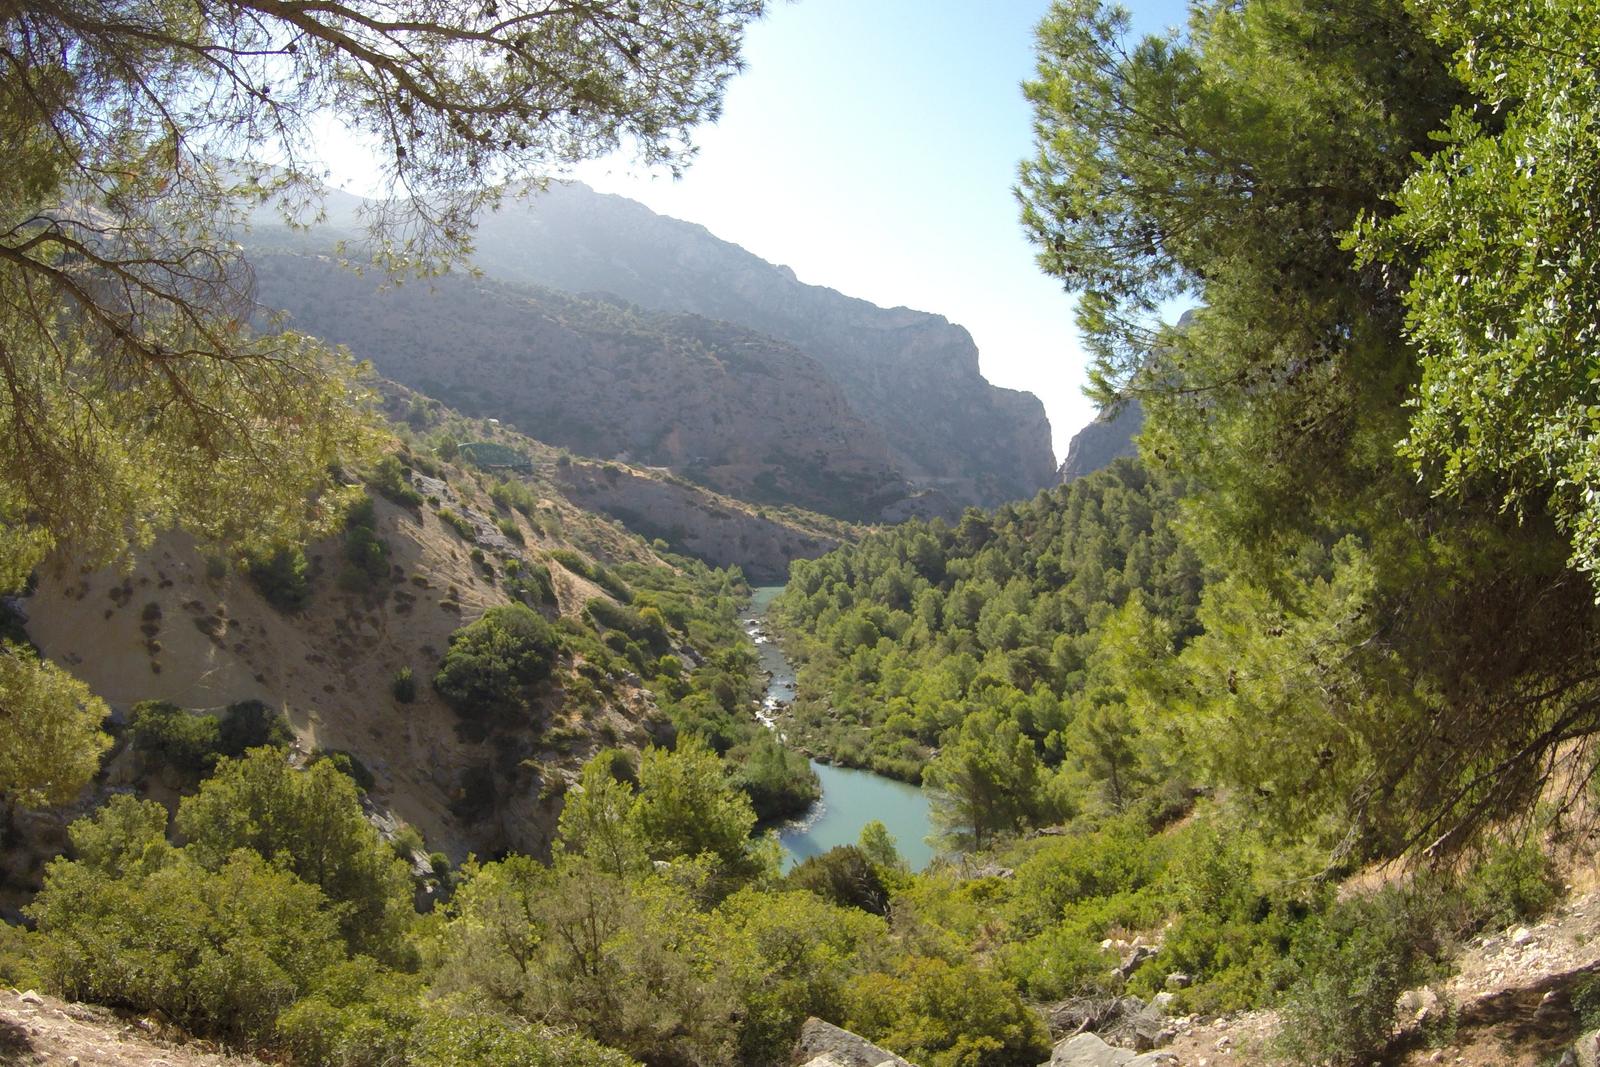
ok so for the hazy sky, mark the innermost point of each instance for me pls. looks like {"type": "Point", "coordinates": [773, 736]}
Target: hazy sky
{"type": "Point", "coordinates": [872, 146]}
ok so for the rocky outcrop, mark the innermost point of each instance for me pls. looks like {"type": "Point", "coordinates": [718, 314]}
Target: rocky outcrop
{"type": "Point", "coordinates": [911, 374]}
{"type": "Point", "coordinates": [1087, 1050]}
{"type": "Point", "coordinates": [1103, 440]}
{"type": "Point", "coordinates": [719, 531]}
{"type": "Point", "coordinates": [822, 1044]}
{"type": "Point", "coordinates": [729, 408]}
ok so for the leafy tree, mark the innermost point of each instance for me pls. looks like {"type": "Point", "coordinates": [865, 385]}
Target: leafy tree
{"type": "Point", "coordinates": [311, 822]}
{"type": "Point", "coordinates": [984, 782]}
{"type": "Point", "coordinates": [687, 807]}
{"type": "Point", "coordinates": [52, 739]}
{"type": "Point", "coordinates": [1247, 163]}
{"type": "Point", "coordinates": [1496, 235]}
{"type": "Point", "coordinates": [596, 820]}
{"type": "Point", "coordinates": [491, 663]}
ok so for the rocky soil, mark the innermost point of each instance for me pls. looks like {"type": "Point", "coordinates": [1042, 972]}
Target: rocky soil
{"type": "Point", "coordinates": [40, 1030]}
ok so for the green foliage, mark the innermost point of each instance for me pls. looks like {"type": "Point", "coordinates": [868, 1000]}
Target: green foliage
{"type": "Point", "coordinates": [946, 1015]}
{"type": "Point", "coordinates": [687, 807]}
{"type": "Point", "coordinates": [311, 823]}
{"type": "Point", "coordinates": [1495, 233]}
{"type": "Point", "coordinates": [907, 634]}
{"type": "Point", "coordinates": [984, 782]}
{"type": "Point", "coordinates": [460, 524]}
{"type": "Point", "coordinates": [167, 733]}
{"type": "Point", "coordinates": [251, 724]}
{"type": "Point", "coordinates": [389, 478]}
{"type": "Point", "coordinates": [279, 575]}
{"type": "Point", "coordinates": [219, 950]}
{"type": "Point", "coordinates": [403, 686]}
{"type": "Point", "coordinates": [366, 554]}
{"type": "Point", "coordinates": [844, 875]}
{"type": "Point", "coordinates": [531, 584]}
{"type": "Point", "coordinates": [447, 1040]}
{"type": "Point", "coordinates": [493, 663]}
{"type": "Point", "coordinates": [191, 743]}
{"type": "Point", "coordinates": [778, 780]}
{"type": "Point", "coordinates": [1355, 964]}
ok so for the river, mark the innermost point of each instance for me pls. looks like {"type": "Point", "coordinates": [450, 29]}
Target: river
{"type": "Point", "coordinates": [850, 798]}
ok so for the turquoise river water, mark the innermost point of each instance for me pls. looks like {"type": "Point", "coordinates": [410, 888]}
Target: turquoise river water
{"type": "Point", "coordinates": [850, 798]}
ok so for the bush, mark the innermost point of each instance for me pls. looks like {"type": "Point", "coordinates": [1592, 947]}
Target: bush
{"type": "Point", "coordinates": [349, 765]}
{"type": "Point", "coordinates": [251, 724]}
{"type": "Point", "coordinates": [219, 951]}
{"type": "Point", "coordinates": [366, 554]}
{"type": "Point", "coordinates": [492, 663]}
{"type": "Point", "coordinates": [1512, 882]}
{"type": "Point", "coordinates": [389, 478]}
{"type": "Point", "coordinates": [844, 876]}
{"type": "Point", "coordinates": [939, 1014]}
{"type": "Point", "coordinates": [1354, 963]}
{"type": "Point", "coordinates": [280, 577]}
{"type": "Point", "coordinates": [188, 744]}
{"type": "Point", "coordinates": [463, 527]}
{"type": "Point", "coordinates": [403, 686]}
{"type": "Point", "coordinates": [309, 822]}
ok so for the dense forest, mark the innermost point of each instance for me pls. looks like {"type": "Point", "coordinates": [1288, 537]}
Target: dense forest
{"type": "Point", "coordinates": [1275, 715]}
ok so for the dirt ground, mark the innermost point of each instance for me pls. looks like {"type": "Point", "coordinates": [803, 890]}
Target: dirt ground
{"type": "Point", "coordinates": [38, 1030]}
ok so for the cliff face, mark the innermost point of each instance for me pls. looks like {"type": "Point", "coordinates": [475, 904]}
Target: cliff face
{"type": "Point", "coordinates": [1100, 442]}
{"type": "Point", "coordinates": [729, 408]}
{"type": "Point", "coordinates": [910, 374]}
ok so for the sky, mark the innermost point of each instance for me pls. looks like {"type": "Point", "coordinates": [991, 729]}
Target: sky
{"type": "Point", "coordinates": [872, 146]}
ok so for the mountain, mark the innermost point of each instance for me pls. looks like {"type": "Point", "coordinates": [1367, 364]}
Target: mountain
{"type": "Point", "coordinates": [734, 410]}
{"type": "Point", "coordinates": [912, 374]}
{"type": "Point", "coordinates": [1103, 440]}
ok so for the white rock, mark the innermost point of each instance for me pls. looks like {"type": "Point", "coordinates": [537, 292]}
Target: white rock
{"type": "Point", "coordinates": [1521, 935]}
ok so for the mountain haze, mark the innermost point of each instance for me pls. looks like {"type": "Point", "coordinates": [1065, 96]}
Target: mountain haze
{"type": "Point", "coordinates": [913, 374]}
{"type": "Point", "coordinates": [734, 410]}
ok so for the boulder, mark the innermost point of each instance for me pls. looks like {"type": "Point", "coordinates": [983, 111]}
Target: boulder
{"type": "Point", "coordinates": [1088, 1050]}
{"type": "Point", "coordinates": [822, 1044]}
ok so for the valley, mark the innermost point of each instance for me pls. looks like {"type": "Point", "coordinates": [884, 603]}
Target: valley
{"type": "Point", "coordinates": [487, 621]}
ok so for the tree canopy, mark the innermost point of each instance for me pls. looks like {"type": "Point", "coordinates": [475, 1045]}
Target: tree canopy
{"type": "Point", "coordinates": [136, 393]}
{"type": "Point", "coordinates": [1378, 408]}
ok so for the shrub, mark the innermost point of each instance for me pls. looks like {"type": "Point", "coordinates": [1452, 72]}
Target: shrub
{"type": "Point", "coordinates": [366, 554]}
{"type": "Point", "coordinates": [309, 822]}
{"type": "Point", "coordinates": [1354, 962]}
{"type": "Point", "coordinates": [512, 531]}
{"type": "Point", "coordinates": [251, 724]}
{"type": "Point", "coordinates": [1512, 882]}
{"type": "Point", "coordinates": [492, 663]}
{"type": "Point", "coordinates": [389, 478]}
{"type": "Point", "coordinates": [280, 577]}
{"type": "Point", "coordinates": [347, 764]}
{"type": "Point", "coordinates": [219, 951]}
{"type": "Point", "coordinates": [845, 876]}
{"type": "Point", "coordinates": [189, 744]}
{"type": "Point", "coordinates": [463, 527]}
{"type": "Point", "coordinates": [403, 686]}
{"type": "Point", "coordinates": [939, 1014]}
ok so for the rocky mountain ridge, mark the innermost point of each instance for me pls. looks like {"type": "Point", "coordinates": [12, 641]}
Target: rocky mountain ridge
{"type": "Point", "coordinates": [911, 379]}
{"type": "Point", "coordinates": [729, 408]}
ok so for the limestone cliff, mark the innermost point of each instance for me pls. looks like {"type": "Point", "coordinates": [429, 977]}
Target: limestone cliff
{"type": "Point", "coordinates": [910, 374]}
{"type": "Point", "coordinates": [729, 408]}
{"type": "Point", "coordinates": [1100, 442]}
